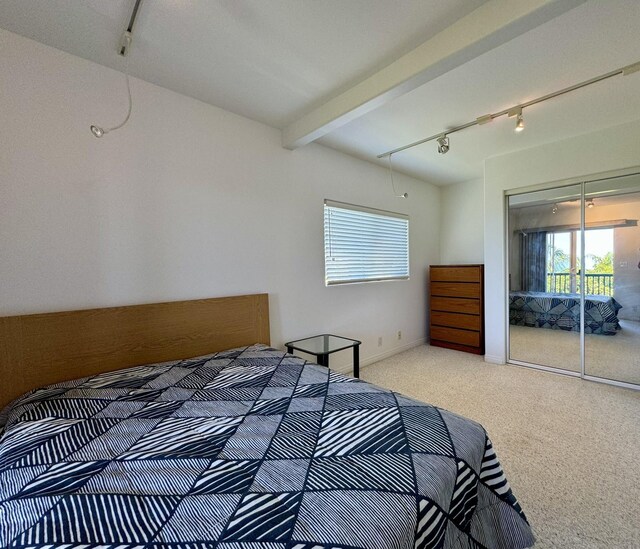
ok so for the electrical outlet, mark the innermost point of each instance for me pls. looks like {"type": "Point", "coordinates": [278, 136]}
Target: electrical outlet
{"type": "Point", "coordinates": [380, 341]}
{"type": "Point", "coordinates": [399, 335]}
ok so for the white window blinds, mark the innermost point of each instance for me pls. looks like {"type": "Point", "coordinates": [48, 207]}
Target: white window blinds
{"type": "Point", "coordinates": [363, 245]}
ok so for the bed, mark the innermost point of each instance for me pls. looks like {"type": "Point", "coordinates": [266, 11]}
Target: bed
{"type": "Point", "coordinates": [247, 448]}
{"type": "Point", "coordinates": [562, 312]}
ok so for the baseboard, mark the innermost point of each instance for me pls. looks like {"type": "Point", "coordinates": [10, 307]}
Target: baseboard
{"type": "Point", "coordinates": [494, 359]}
{"type": "Point", "coordinates": [347, 368]}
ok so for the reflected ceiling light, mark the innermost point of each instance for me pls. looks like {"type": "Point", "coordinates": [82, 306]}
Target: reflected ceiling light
{"type": "Point", "coordinates": [554, 210]}
{"type": "Point", "coordinates": [515, 110]}
{"type": "Point", "coordinates": [443, 144]}
{"type": "Point", "coordinates": [590, 204]}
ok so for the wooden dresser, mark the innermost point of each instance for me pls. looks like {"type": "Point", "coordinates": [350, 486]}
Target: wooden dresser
{"type": "Point", "coordinates": [457, 307]}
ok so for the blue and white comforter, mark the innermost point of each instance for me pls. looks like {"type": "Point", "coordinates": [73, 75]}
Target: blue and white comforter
{"type": "Point", "coordinates": [246, 449]}
{"type": "Point", "coordinates": [562, 312]}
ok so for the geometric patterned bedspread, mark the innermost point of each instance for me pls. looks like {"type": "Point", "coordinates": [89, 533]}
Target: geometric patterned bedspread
{"type": "Point", "coordinates": [562, 312]}
{"type": "Point", "coordinates": [246, 449]}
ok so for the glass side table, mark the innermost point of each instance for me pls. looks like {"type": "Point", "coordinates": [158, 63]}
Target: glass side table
{"type": "Point", "coordinates": [321, 346]}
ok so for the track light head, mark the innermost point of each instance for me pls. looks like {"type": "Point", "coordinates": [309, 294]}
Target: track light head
{"type": "Point", "coordinates": [590, 204]}
{"type": "Point", "coordinates": [97, 131]}
{"type": "Point", "coordinates": [517, 112]}
{"type": "Point", "coordinates": [443, 144]}
{"type": "Point", "coordinates": [554, 210]}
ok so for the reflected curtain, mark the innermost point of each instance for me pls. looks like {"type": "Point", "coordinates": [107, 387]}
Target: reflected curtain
{"type": "Point", "coordinates": [533, 257]}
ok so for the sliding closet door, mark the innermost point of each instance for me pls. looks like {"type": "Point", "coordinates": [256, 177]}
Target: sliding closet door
{"type": "Point", "coordinates": [544, 278]}
{"type": "Point", "coordinates": [612, 279]}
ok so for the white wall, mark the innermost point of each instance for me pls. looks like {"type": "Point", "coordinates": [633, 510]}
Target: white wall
{"type": "Point", "coordinates": [187, 201]}
{"type": "Point", "coordinates": [582, 156]}
{"type": "Point", "coordinates": [462, 223]}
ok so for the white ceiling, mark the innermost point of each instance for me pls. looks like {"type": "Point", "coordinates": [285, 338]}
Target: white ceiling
{"type": "Point", "coordinates": [275, 60]}
{"type": "Point", "coordinates": [268, 60]}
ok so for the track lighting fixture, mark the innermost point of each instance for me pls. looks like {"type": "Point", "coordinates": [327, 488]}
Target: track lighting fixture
{"type": "Point", "coordinates": [443, 144]}
{"type": "Point", "coordinates": [123, 50]}
{"type": "Point", "coordinates": [590, 204]}
{"type": "Point", "coordinates": [554, 210]}
{"type": "Point", "coordinates": [443, 141]}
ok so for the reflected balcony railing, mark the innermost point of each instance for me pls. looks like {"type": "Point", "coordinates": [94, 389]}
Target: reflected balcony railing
{"type": "Point", "coordinates": [568, 283]}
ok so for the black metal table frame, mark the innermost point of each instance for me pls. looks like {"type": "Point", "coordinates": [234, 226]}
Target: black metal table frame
{"type": "Point", "coordinates": [323, 358]}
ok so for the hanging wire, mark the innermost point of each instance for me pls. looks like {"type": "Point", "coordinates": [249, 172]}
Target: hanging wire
{"type": "Point", "coordinates": [99, 131]}
{"type": "Point", "coordinates": [393, 184]}
{"type": "Point", "coordinates": [126, 119]}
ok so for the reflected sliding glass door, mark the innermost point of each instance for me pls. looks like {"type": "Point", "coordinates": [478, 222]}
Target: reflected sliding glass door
{"type": "Point", "coordinates": [574, 279]}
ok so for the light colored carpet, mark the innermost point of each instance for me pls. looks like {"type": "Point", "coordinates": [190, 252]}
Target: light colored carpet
{"type": "Point", "coordinates": [612, 357]}
{"type": "Point", "coordinates": [569, 447]}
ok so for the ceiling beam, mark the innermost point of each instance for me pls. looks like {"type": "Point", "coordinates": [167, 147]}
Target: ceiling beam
{"type": "Point", "coordinates": [485, 28]}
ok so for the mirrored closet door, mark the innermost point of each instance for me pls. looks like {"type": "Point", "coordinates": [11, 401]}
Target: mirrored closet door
{"type": "Point", "coordinates": [612, 279]}
{"type": "Point", "coordinates": [544, 267]}
{"type": "Point", "coordinates": [574, 279]}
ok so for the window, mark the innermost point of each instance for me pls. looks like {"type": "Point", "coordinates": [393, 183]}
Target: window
{"type": "Point", "coordinates": [563, 262]}
{"type": "Point", "coordinates": [364, 245]}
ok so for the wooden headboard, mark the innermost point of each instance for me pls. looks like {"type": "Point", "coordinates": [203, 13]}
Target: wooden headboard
{"type": "Point", "coordinates": [41, 349]}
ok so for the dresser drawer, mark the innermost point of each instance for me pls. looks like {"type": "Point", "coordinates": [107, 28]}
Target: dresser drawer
{"type": "Point", "coordinates": [452, 335]}
{"type": "Point", "coordinates": [455, 305]}
{"type": "Point", "coordinates": [454, 320]}
{"type": "Point", "coordinates": [456, 289]}
{"type": "Point", "coordinates": [455, 274]}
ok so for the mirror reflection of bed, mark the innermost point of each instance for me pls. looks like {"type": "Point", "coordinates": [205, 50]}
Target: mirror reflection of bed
{"type": "Point", "coordinates": [547, 268]}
